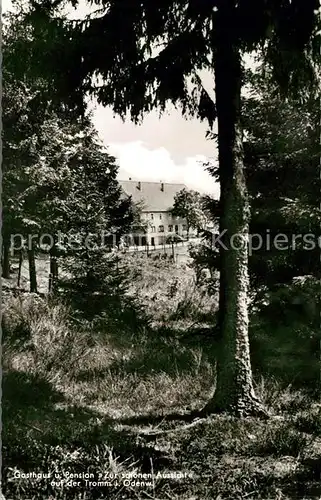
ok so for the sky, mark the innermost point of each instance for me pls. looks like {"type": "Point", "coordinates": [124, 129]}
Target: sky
{"type": "Point", "coordinates": [167, 149]}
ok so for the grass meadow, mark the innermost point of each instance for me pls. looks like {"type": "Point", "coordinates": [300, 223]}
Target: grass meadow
{"type": "Point", "coordinates": [93, 412]}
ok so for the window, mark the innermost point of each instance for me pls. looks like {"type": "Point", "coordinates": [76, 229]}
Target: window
{"type": "Point", "coordinates": [160, 216]}
{"type": "Point", "coordinates": [161, 229]}
{"type": "Point", "coordinates": [152, 216]}
{"type": "Point", "coordinates": [170, 228]}
{"type": "Point", "coordinates": [184, 227]}
{"type": "Point", "coordinates": [176, 228]}
{"type": "Point", "coordinates": [153, 229]}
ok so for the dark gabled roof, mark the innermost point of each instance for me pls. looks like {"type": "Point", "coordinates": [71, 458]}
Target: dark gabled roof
{"type": "Point", "coordinates": [152, 196]}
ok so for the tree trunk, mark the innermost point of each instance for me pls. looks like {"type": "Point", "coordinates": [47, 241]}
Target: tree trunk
{"type": "Point", "coordinates": [53, 273]}
{"type": "Point", "coordinates": [6, 260]}
{"type": "Point", "coordinates": [32, 270]}
{"type": "Point", "coordinates": [234, 386]}
{"type": "Point", "coordinates": [20, 267]}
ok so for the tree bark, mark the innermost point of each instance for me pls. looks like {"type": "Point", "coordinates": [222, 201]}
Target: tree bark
{"type": "Point", "coordinates": [32, 270]}
{"type": "Point", "coordinates": [20, 268]}
{"type": "Point", "coordinates": [234, 385]}
{"type": "Point", "coordinates": [53, 273]}
{"type": "Point", "coordinates": [5, 260]}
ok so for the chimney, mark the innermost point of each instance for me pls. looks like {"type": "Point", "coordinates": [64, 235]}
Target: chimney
{"type": "Point", "coordinates": [139, 185]}
{"type": "Point", "coordinates": [162, 186]}
{"type": "Point", "coordinates": [130, 178]}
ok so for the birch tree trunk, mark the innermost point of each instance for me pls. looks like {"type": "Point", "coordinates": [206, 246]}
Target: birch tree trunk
{"type": "Point", "coordinates": [234, 386]}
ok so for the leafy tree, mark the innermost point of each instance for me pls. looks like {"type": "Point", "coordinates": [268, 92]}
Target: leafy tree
{"type": "Point", "coordinates": [187, 204]}
{"type": "Point", "coordinates": [153, 56]}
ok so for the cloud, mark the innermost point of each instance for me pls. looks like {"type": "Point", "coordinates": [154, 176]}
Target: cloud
{"type": "Point", "coordinates": [183, 138]}
{"type": "Point", "coordinates": [140, 163]}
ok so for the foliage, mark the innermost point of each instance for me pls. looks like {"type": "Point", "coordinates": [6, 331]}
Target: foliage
{"type": "Point", "coordinates": [282, 153]}
{"type": "Point", "coordinates": [187, 39]}
{"type": "Point", "coordinates": [94, 215]}
{"type": "Point", "coordinates": [60, 185]}
{"type": "Point", "coordinates": [69, 384]}
{"type": "Point", "coordinates": [22, 119]}
{"type": "Point", "coordinates": [155, 56]}
{"type": "Point", "coordinates": [285, 333]}
{"type": "Point", "coordinates": [188, 205]}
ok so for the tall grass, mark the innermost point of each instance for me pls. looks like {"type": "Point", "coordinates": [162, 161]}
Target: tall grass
{"type": "Point", "coordinates": [169, 292]}
{"type": "Point", "coordinates": [144, 374]}
{"type": "Point", "coordinates": [71, 390]}
{"type": "Point", "coordinates": [279, 397]}
{"type": "Point", "coordinates": [38, 337]}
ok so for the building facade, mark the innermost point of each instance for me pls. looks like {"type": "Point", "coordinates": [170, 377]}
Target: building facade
{"type": "Point", "coordinates": [157, 201]}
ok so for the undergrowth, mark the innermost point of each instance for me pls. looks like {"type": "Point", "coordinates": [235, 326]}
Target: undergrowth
{"type": "Point", "coordinates": [79, 400]}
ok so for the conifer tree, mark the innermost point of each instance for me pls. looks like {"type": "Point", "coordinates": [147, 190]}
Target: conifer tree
{"type": "Point", "coordinates": [150, 54]}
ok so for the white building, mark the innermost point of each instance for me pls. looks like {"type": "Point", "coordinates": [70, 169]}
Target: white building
{"type": "Point", "coordinates": [157, 200]}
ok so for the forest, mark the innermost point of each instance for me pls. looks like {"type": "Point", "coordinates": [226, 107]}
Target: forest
{"type": "Point", "coordinates": [127, 376]}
